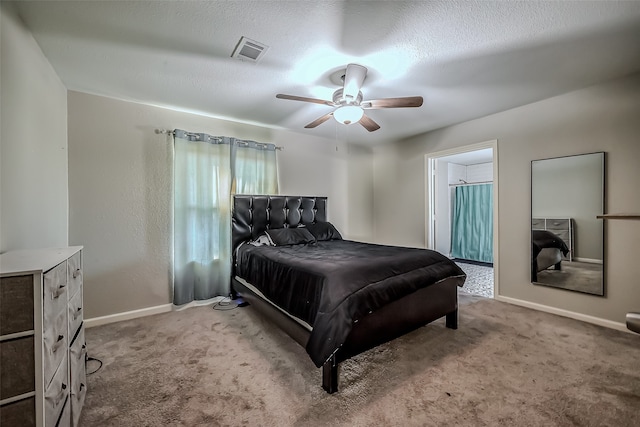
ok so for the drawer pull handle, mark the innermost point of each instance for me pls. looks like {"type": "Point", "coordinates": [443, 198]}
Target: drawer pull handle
{"type": "Point", "coordinates": [78, 313]}
{"type": "Point", "coordinates": [77, 273]}
{"type": "Point", "coordinates": [82, 351]}
{"type": "Point", "coordinates": [61, 395]}
{"type": "Point", "coordinates": [58, 343]}
{"type": "Point", "coordinates": [55, 294]}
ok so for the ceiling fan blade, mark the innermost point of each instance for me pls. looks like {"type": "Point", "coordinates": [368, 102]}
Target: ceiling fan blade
{"type": "Point", "coordinates": [319, 120]}
{"type": "Point", "coordinates": [353, 80]}
{"type": "Point", "coordinates": [409, 101]}
{"type": "Point", "coordinates": [305, 99]}
{"type": "Point", "coordinates": [368, 123]}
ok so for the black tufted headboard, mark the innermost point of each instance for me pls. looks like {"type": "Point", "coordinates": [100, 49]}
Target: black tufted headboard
{"type": "Point", "coordinates": [253, 214]}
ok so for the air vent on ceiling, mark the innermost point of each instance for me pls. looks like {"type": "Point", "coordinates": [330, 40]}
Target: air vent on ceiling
{"type": "Point", "coordinates": [249, 50]}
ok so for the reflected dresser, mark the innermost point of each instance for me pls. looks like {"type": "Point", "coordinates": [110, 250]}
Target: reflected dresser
{"type": "Point", "coordinates": [42, 346]}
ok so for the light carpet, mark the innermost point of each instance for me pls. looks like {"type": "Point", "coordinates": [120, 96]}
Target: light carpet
{"type": "Point", "coordinates": [505, 365]}
{"type": "Point", "coordinates": [574, 276]}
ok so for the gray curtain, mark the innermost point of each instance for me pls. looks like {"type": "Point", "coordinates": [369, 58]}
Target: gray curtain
{"type": "Point", "coordinates": [206, 169]}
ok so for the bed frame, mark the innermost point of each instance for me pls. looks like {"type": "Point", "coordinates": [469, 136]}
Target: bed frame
{"type": "Point", "coordinates": [253, 214]}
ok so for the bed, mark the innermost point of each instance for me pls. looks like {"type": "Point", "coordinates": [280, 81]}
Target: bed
{"type": "Point", "coordinates": [547, 249]}
{"type": "Point", "coordinates": [335, 297]}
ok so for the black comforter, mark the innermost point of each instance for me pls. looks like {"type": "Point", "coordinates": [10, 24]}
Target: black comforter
{"type": "Point", "coordinates": [333, 284]}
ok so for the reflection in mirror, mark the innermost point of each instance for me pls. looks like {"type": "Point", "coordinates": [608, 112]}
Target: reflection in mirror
{"type": "Point", "coordinates": [567, 194]}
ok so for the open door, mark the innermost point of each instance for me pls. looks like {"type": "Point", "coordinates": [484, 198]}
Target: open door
{"type": "Point", "coordinates": [446, 171]}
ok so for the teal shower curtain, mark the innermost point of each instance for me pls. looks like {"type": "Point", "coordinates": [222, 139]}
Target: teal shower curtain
{"type": "Point", "coordinates": [472, 227]}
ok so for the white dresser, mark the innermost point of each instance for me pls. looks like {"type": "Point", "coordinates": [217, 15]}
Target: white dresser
{"type": "Point", "coordinates": [42, 345]}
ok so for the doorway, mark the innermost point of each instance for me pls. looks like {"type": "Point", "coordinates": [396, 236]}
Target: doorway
{"type": "Point", "coordinates": [454, 172]}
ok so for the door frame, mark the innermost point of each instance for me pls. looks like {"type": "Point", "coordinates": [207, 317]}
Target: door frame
{"type": "Point", "coordinates": [432, 189]}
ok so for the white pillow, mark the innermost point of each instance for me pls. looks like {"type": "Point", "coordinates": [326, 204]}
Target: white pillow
{"type": "Point", "coordinates": [263, 240]}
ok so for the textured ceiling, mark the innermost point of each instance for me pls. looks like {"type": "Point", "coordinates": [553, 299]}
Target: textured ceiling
{"type": "Point", "coordinates": [467, 59]}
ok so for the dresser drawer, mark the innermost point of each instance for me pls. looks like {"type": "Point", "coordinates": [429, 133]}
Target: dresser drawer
{"type": "Point", "coordinates": [77, 353]}
{"type": "Point", "coordinates": [55, 292]}
{"type": "Point", "coordinates": [55, 339]}
{"type": "Point", "coordinates": [17, 366]}
{"type": "Point", "coordinates": [557, 224]}
{"type": "Point", "coordinates": [537, 224]}
{"type": "Point", "coordinates": [65, 417]}
{"type": "Point", "coordinates": [56, 395]}
{"type": "Point", "coordinates": [21, 413]}
{"type": "Point", "coordinates": [75, 273]}
{"type": "Point", "coordinates": [77, 402]}
{"type": "Point", "coordinates": [16, 304]}
{"type": "Point", "coordinates": [75, 313]}
{"type": "Point", "coordinates": [78, 381]}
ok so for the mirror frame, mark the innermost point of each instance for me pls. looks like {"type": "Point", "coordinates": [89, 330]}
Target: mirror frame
{"type": "Point", "coordinates": [603, 232]}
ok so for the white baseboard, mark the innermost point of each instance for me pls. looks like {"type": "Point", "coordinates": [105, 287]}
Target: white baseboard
{"type": "Point", "coordinates": [149, 311]}
{"type": "Point", "coordinates": [565, 313]}
{"type": "Point", "coordinates": [127, 315]}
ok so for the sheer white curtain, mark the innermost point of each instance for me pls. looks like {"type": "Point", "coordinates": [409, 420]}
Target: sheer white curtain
{"type": "Point", "coordinates": [205, 169]}
{"type": "Point", "coordinates": [255, 168]}
{"type": "Point", "coordinates": [202, 182]}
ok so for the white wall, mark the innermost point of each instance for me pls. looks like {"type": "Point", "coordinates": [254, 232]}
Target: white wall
{"type": "Point", "coordinates": [120, 175]}
{"type": "Point", "coordinates": [456, 173]}
{"type": "Point", "coordinates": [482, 172]}
{"type": "Point", "coordinates": [599, 118]}
{"type": "Point", "coordinates": [33, 149]}
{"type": "Point", "coordinates": [359, 193]}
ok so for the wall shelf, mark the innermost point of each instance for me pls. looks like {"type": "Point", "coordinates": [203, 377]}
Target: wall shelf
{"type": "Point", "coordinates": [619, 216]}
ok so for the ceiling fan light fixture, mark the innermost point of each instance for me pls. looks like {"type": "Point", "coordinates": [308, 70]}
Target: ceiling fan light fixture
{"type": "Point", "coordinates": [353, 80]}
{"type": "Point", "coordinates": [348, 114]}
{"type": "Point", "coordinates": [348, 102]}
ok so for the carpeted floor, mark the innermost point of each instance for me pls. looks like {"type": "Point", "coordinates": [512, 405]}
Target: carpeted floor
{"type": "Point", "coordinates": [505, 365]}
{"type": "Point", "coordinates": [575, 276]}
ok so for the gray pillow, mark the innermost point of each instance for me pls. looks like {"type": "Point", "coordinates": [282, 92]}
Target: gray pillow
{"type": "Point", "coordinates": [324, 231]}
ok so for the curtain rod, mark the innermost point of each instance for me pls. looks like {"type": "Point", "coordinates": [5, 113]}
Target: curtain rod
{"type": "Point", "coordinates": [471, 183]}
{"type": "Point", "coordinates": [170, 132]}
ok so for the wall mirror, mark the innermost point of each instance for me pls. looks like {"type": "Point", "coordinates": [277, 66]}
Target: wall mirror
{"type": "Point", "coordinates": [567, 195]}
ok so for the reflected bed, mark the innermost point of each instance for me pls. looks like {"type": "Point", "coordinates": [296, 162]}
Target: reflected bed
{"type": "Point", "coordinates": [547, 249]}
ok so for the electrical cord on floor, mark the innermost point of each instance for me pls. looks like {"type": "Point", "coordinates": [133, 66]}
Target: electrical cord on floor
{"type": "Point", "coordinates": [93, 359]}
{"type": "Point", "coordinates": [225, 304]}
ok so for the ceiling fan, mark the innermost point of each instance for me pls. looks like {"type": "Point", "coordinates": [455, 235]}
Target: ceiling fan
{"type": "Point", "coordinates": [349, 104]}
